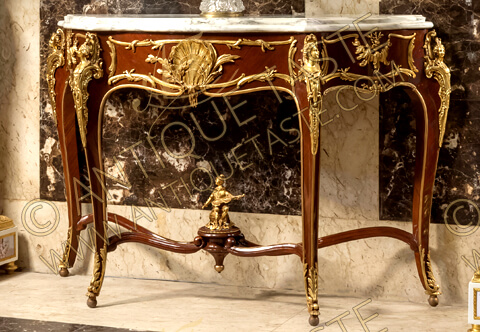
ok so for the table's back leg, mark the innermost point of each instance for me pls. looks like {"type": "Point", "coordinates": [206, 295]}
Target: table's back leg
{"type": "Point", "coordinates": [432, 102]}
{"type": "Point", "coordinates": [61, 101]}
{"type": "Point", "coordinates": [68, 140]}
{"type": "Point", "coordinates": [425, 168]}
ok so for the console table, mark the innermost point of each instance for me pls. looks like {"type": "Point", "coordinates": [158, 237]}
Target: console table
{"type": "Point", "coordinates": [93, 56]}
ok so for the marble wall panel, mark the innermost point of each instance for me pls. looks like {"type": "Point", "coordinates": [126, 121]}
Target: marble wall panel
{"type": "Point", "coordinates": [315, 8]}
{"type": "Point", "coordinates": [349, 159]}
{"type": "Point", "coordinates": [170, 153]}
{"type": "Point", "coordinates": [458, 173]}
{"type": "Point", "coordinates": [252, 7]}
{"type": "Point", "coordinates": [269, 174]}
{"type": "Point", "coordinates": [19, 71]}
{"type": "Point", "coordinates": [397, 156]}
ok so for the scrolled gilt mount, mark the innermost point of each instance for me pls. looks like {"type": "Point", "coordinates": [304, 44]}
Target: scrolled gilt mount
{"type": "Point", "coordinates": [193, 66]}
{"type": "Point", "coordinates": [436, 67]}
{"type": "Point", "coordinates": [55, 59]}
{"type": "Point", "coordinates": [87, 64]}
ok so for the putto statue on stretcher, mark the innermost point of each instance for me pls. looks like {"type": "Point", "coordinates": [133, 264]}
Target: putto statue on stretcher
{"type": "Point", "coordinates": [219, 199]}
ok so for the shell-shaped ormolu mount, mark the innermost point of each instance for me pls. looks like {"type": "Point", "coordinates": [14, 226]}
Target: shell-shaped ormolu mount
{"type": "Point", "coordinates": [191, 65]}
{"type": "Point", "coordinates": [192, 62]}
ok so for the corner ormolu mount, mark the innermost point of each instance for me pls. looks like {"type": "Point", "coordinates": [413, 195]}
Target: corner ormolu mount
{"type": "Point", "coordinates": [434, 66]}
{"type": "Point", "coordinates": [88, 64]}
{"type": "Point", "coordinates": [55, 59]}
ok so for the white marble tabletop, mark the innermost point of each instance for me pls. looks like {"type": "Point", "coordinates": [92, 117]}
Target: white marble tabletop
{"type": "Point", "coordinates": [272, 24]}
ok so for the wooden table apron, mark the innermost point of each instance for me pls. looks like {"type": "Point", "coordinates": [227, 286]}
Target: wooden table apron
{"type": "Point", "coordinates": [85, 68]}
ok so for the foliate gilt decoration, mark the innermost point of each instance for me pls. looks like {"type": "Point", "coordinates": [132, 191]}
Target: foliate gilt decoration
{"type": "Point", "coordinates": [433, 287]}
{"type": "Point", "coordinates": [220, 197]}
{"type": "Point", "coordinates": [266, 76]}
{"type": "Point", "coordinates": [231, 44]}
{"type": "Point", "coordinates": [88, 65]}
{"type": "Point", "coordinates": [98, 272]}
{"type": "Point", "coordinates": [191, 65]}
{"type": "Point", "coordinates": [370, 53]}
{"type": "Point", "coordinates": [312, 73]}
{"type": "Point", "coordinates": [55, 60]}
{"type": "Point", "coordinates": [113, 57]}
{"type": "Point", "coordinates": [434, 66]}
{"type": "Point", "coordinates": [66, 252]}
{"type": "Point", "coordinates": [311, 287]}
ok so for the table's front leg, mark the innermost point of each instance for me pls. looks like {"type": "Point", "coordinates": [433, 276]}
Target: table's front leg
{"type": "Point", "coordinates": [100, 224]}
{"type": "Point", "coordinates": [310, 103]}
{"type": "Point", "coordinates": [310, 190]}
{"type": "Point", "coordinates": [432, 102]}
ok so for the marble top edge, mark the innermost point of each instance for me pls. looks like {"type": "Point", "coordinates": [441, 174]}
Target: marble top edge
{"type": "Point", "coordinates": [195, 23]}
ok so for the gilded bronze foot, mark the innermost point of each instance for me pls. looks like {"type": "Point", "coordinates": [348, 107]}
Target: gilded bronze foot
{"type": "Point", "coordinates": [98, 275]}
{"type": "Point", "coordinates": [311, 289]}
{"type": "Point", "coordinates": [11, 267]}
{"type": "Point", "coordinates": [313, 320]}
{"type": "Point", "coordinates": [92, 301]}
{"type": "Point", "coordinates": [63, 271]}
{"type": "Point", "coordinates": [433, 300]}
{"type": "Point", "coordinates": [475, 328]}
{"type": "Point", "coordinates": [424, 266]}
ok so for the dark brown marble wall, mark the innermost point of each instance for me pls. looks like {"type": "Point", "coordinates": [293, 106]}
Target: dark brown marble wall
{"type": "Point", "coordinates": [268, 172]}
{"type": "Point", "coordinates": [458, 25]}
{"type": "Point", "coordinates": [170, 153]}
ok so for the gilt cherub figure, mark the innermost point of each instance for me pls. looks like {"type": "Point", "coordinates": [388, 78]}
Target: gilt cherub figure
{"type": "Point", "coordinates": [219, 199]}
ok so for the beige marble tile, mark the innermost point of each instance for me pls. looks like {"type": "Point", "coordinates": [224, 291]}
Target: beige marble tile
{"type": "Point", "coordinates": [349, 157]}
{"type": "Point", "coordinates": [315, 8]}
{"type": "Point", "coordinates": [148, 304]}
{"type": "Point", "coordinates": [19, 103]}
{"type": "Point", "coordinates": [394, 316]}
{"type": "Point", "coordinates": [156, 305]}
